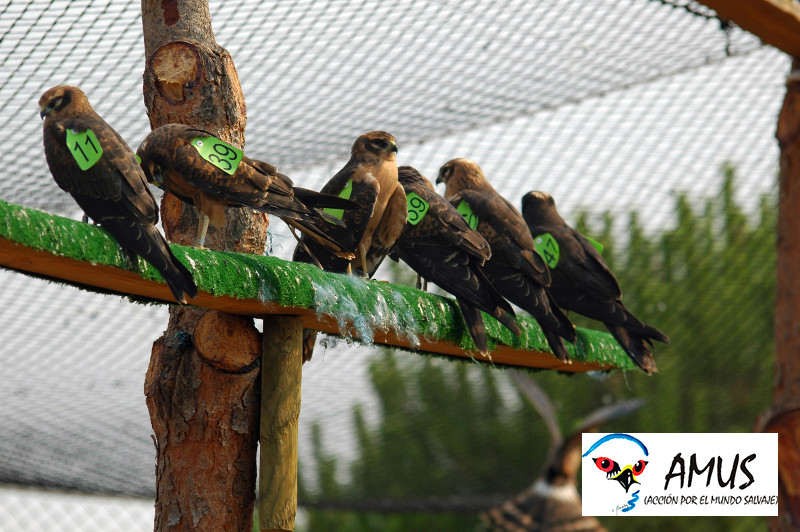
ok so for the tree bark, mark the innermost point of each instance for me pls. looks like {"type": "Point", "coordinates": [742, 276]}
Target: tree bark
{"type": "Point", "coordinates": [202, 388]}
{"type": "Point", "coordinates": [784, 416]}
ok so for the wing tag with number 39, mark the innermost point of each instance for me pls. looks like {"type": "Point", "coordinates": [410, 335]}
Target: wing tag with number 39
{"type": "Point", "coordinates": [220, 154]}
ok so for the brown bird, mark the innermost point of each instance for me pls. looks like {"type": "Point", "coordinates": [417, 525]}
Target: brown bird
{"type": "Point", "coordinates": [552, 503]}
{"type": "Point", "coordinates": [210, 174]}
{"type": "Point", "coordinates": [582, 282]}
{"type": "Point", "coordinates": [90, 160]}
{"type": "Point", "coordinates": [515, 269]}
{"type": "Point", "coordinates": [370, 180]}
{"type": "Point", "coordinates": [439, 245]}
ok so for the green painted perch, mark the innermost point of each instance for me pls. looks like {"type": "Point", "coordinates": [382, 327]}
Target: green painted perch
{"type": "Point", "coordinates": [367, 311]}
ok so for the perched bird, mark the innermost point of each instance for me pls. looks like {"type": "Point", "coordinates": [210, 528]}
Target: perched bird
{"type": "Point", "coordinates": [515, 269]}
{"type": "Point", "coordinates": [210, 174]}
{"type": "Point", "coordinates": [90, 160]}
{"type": "Point", "coordinates": [439, 245]}
{"type": "Point", "coordinates": [552, 503]}
{"type": "Point", "coordinates": [582, 282]}
{"type": "Point", "coordinates": [370, 180]}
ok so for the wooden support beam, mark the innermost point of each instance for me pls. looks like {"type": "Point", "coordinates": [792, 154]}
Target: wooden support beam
{"type": "Point", "coordinates": [784, 415]}
{"type": "Point", "coordinates": [281, 372]}
{"type": "Point", "coordinates": [368, 311]}
{"type": "Point", "coordinates": [776, 22]}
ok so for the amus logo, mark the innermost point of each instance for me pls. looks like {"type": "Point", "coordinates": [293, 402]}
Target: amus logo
{"type": "Point", "coordinates": [680, 474]}
{"type": "Point", "coordinates": [620, 463]}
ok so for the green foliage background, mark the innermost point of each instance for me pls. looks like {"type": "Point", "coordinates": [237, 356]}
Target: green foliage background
{"type": "Point", "coordinates": [460, 429]}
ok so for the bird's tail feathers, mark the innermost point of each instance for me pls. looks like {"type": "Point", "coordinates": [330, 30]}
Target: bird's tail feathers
{"type": "Point", "coordinates": [319, 200]}
{"type": "Point", "coordinates": [475, 325]}
{"type": "Point", "coordinates": [635, 345]}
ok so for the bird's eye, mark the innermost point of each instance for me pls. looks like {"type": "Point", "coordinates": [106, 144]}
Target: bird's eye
{"type": "Point", "coordinates": [604, 464]}
{"type": "Point", "coordinates": [380, 144]}
{"type": "Point", "coordinates": [55, 103]}
{"type": "Point", "coordinates": [638, 467]}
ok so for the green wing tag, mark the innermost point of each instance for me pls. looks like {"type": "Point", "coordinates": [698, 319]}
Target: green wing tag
{"type": "Point", "coordinates": [339, 213]}
{"type": "Point", "coordinates": [597, 245]}
{"type": "Point", "coordinates": [466, 211]}
{"type": "Point", "coordinates": [547, 247]}
{"type": "Point", "coordinates": [417, 208]}
{"type": "Point", "coordinates": [220, 154]}
{"type": "Point", "coordinates": [84, 147]}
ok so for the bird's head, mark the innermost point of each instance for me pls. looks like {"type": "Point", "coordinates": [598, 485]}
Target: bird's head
{"type": "Point", "coordinates": [61, 101]}
{"type": "Point", "coordinates": [375, 144]}
{"type": "Point", "coordinates": [150, 161]}
{"type": "Point", "coordinates": [461, 174]}
{"type": "Point", "coordinates": [539, 207]}
{"type": "Point", "coordinates": [408, 175]}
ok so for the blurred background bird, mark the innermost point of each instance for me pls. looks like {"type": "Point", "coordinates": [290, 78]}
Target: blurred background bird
{"type": "Point", "coordinates": [93, 163]}
{"type": "Point", "coordinates": [582, 282]}
{"type": "Point", "coordinates": [552, 503]}
{"type": "Point", "coordinates": [514, 269]}
{"type": "Point", "coordinates": [203, 171]}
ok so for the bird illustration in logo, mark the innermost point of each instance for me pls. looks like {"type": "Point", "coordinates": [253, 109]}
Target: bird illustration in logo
{"type": "Point", "coordinates": [626, 476]}
{"type": "Point", "coordinates": [621, 446]}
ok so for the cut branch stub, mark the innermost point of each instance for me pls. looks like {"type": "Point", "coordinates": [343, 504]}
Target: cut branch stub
{"type": "Point", "coordinates": [177, 67]}
{"type": "Point", "coordinates": [227, 342]}
{"type": "Point", "coordinates": [183, 77]}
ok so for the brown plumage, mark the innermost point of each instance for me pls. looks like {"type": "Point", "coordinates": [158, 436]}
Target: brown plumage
{"type": "Point", "coordinates": [171, 161]}
{"type": "Point", "coordinates": [515, 269]}
{"type": "Point", "coordinates": [370, 180]}
{"type": "Point", "coordinates": [371, 174]}
{"type": "Point", "coordinates": [113, 190]}
{"type": "Point", "coordinates": [439, 245]}
{"type": "Point", "coordinates": [582, 282]}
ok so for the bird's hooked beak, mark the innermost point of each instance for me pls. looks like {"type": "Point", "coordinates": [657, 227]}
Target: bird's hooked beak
{"type": "Point", "coordinates": [393, 147]}
{"type": "Point", "coordinates": [43, 113]}
{"type": "Point", "coordinates": [626, 478]}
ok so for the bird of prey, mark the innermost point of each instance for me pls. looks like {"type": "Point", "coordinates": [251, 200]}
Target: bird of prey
{"type": "Point", "coordinates": [90, 160]}
{"type": "Point", "coordinates": [552, 503]}
{"type": "Point", "coordinates": [210, 174]}
{"type": "Point", "coordinates": [515, 269]}
{"type": "Point", "coordinates": [370, 180]}
{"type": "Point", "coordinates": [582, 282]}
{"type": "Point", "coordinates": [439, 245]}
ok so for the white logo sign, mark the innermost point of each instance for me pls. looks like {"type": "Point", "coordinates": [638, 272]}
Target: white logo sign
{"type": "Point", "coordinates": [680, 474]}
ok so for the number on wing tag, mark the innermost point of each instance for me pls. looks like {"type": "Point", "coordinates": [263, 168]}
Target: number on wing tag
{"type": "Point", "coordinates": [417, 208]}
{"type": "Point", "coordinates": [339, 213]}
{"type": "Point", "coordinates": [547, 247]}
{"type": "Point", "coordinates": [466, 212]}
{"type": "Point", "coordinates": [84, 147]}
{"type": "Point", "coordinates": [220, 154]}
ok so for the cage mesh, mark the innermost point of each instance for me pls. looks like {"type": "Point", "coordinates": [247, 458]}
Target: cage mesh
{"type": "Point", "coordinates": [617, 106]}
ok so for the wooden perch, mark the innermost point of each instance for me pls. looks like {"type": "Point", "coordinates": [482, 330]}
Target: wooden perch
{"type": "Point", "coordinates": [366, 311]}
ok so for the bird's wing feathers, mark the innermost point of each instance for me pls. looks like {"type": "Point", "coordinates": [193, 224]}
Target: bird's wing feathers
{"type": "Point", "coordinates": [507, 233]}
{"type": "Point", "coordinates": [117, 176]}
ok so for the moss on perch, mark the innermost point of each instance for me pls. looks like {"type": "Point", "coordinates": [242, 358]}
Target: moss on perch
{"type": "Point", "coordinates": [367, 311]}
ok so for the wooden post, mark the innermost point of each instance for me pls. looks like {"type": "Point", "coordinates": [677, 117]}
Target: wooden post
{"type": "Point", "coordinates": [281, 371]}
{"type": "Point", "coordinates": [784, 416]}
{"type": "Point", "coordinates": [202, 393]}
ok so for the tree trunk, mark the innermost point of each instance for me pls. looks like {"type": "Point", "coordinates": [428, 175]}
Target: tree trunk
{"type": "Point", "coordinates": [201, 388]}
{"type": "Point", "coordinates": [784, 416]}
